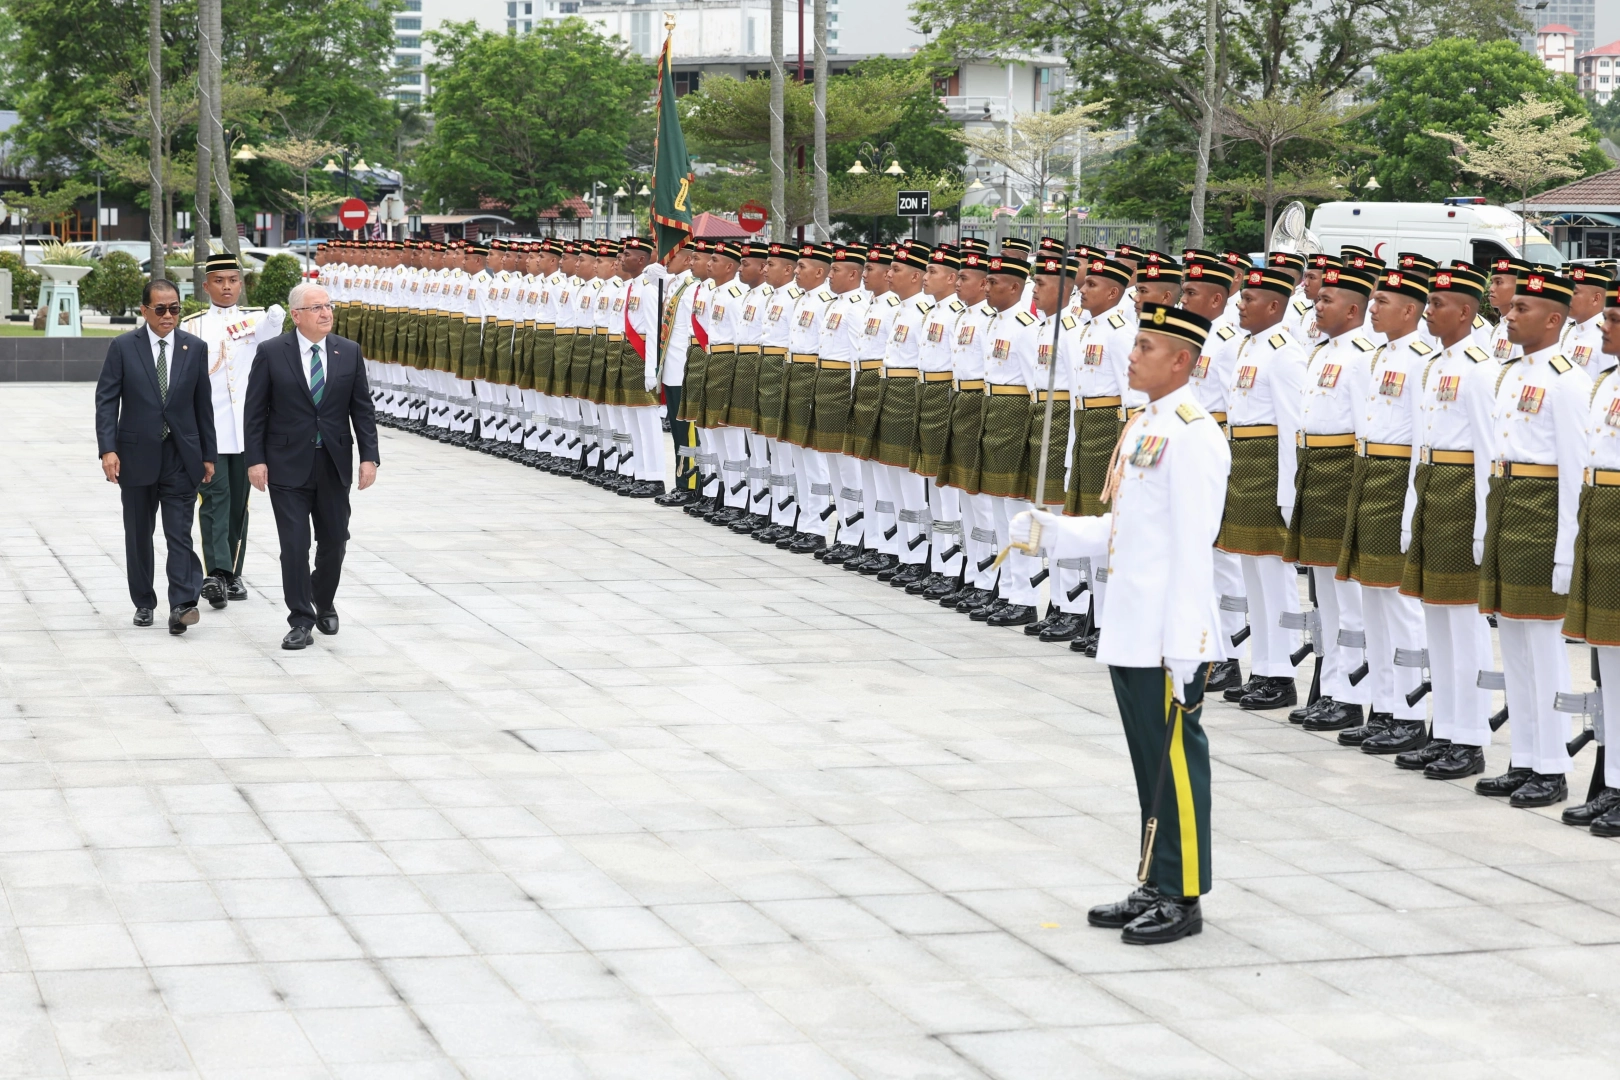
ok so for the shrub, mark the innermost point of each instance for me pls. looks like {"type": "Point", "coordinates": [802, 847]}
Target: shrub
{"type": "Point", "coordinates": [24, 282]}
{"type": "Point", "coordinates": [275, 281]}
{"type": "Point", "coordinates": [114, 286]}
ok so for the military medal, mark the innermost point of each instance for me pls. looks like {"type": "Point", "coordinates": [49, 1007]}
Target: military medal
{"type": "Point", "coordinates": [965, 336]}
{"type": "Point", "coordinates": [1612, 417]}
{"type": "Point", "coordinates": [1149, 449]}
{"type": "Point", "coordinates": [1394, 382]}
{"type": "Point", "coordinates": [1447, 388]}
{"type": "Point", "coordinates": [901, 332]}
{"type": "Point", "coordinates": [1200, 369]}
{"type": "Point", "coordinates": [1246, 375]}
{"type": "Point", "coordinates": [833, 319]}
{"type": "Point", "coordinates": [1001, 349]}
{"type": "Point", "coordinates": [873, 326]}
{"type": "Point", "coordinates": [1329, 376]}
{"type": "Point", "coordinates": [1530, 399]}
{"type": "Point", "coordinates": [1094, 355]}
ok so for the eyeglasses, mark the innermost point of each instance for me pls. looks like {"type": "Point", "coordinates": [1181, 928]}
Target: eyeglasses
{"type": "Point", "coordinates": [314, 307]}
{"type": "Point", "coordinates": [161, 310]}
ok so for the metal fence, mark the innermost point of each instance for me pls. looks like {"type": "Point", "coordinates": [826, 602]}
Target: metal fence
{"type": "Point", "coordinates": [1098, 234]}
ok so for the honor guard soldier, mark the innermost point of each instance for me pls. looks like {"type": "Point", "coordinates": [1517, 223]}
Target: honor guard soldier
{"type": "Point", "coordinates": [1264, 400]}
{"type": "Point", "coordinates": [838, 361]}
{"type": "Point", "coordinates": [1505, 273]}
{"type": "Point", "coordinates": [1163, 626]}
{"type": "Point", "coordinates": [1539, 412]}
{"type": "Point", "coordinates": [1372, 554]}
{"type": "Point", "coordinates": [780, 266]}
{"type": "Point", "coordinates": [691, 334]}
{"type": "Point", "coordinates": [1445, 525]}
{"type": "Point", "coordinates": [233, 334]}
{"type": "Point", "coordinates": [1301, 308]}
{"type": "Point", "coordinates": [1057, 279]}
{"type": "Point", "coordinates": [815, 485]}
{"type": "Point", "coordinates": [1335, 381]}
{"type": "Point", "coordinates": [1011, 347]}
{"type": "Point", "coordinates": [1593, 613]}
{"type": "Point", "coordinates": [866, 408]}
{"type": "Point", "coordinates": [959, 468]}
{"type": "Point", "coordinates": [1582, 340]}
{"type": "Point", "coordinates": [744, 411]}
{"type": "Point", "coordinates": [1097, 354]}
{"type": "Point", "coordinates": [902, 496]}
{"type": "Point", "coordinates": [936, 364]}
{"type": "Point", "coordinates": [723, 318]}
{"type": "Point", "coordinates": [638, 375]}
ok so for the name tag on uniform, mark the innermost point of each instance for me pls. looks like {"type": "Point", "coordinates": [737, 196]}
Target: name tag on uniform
{"type": "Point", "coordinates": [806, 318]}
{"type": "Point", "coordinates": [833, 320]}
{"type": "Point", "coordinates": [873, 326]}
{"type": "Point", "coordinates": [965, 335]}
{"type": "Point", "coordinates": [1149, 449]}
{"type": "Point", "coordinates": [1328, 377]}
{"type": "Point", "coordinates": [901, 333]}
{"type": "Point", "coordinates": [1530, 399]}
{"type": "Point", "coordinates": [1393, 383]}
{"type": "Point", "coordinates": [1446, 389]}
{"type": "Point", "coordinates": [1200, 369]}
{"type": "Point", "coordinates": [1001, 349]}
{"type": "Point", "coordinates": [936, 333]}
{"type": "Point", "coordinates": [1094, 355]}
{"type": "Point", "coordinates": [1246, 375]}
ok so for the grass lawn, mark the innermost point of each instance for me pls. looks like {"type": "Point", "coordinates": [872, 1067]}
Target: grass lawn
{"type": "Point", "coordinates": [18, 329]}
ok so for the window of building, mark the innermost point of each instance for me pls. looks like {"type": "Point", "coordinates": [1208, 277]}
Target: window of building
{"type": "Point", "coordinates": [528, 26]}
{"type": "Point", "coordinates": [832, 18]}
{"type": "Point", "coordinates": [511, 11]}
{"type": "Point", "coordinates": [407, 60]}
{"type": "Point", "coordinates": [1603, 80]}
{"type": "Point", "coordinates": [407, 43]}
{"type": "Point", "coordinates": [1603, 63]}
{"type": "Point", "coordinates": [511, 26]}
{"type": "Point", "coordinates": [686, 82]}
{"type": "Point", "coordinates": [641, 32]}
{"type": "Point", "coordinates": [409, 78]}
{"type": "Point", "coordinates": [528, 8]}
{"type": "Point", "coordinates": [750, 49]}
{"type": "Point", "coordinates": [413, 5]}
{"type": "Point", "coordinates": [408, 97]}
{"type": "Point", "coordinates": [408, 24]}
{"type": "Point", "coordinates": [568, 7]}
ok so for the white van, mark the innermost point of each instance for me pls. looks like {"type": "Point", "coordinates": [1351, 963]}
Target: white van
{"type": "Point", "coordinates": [1464, 227]}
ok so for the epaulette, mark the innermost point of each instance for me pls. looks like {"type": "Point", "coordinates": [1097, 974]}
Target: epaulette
{"type": "Point", "coordinates": [1558, 363]}
{"type": "Point", "coordinates": [1362, 343]}
{"type": "Point", "coordinates": [984, 308]}
{"type": "Point", "coordinates": [1277, 341]}
{"type": "Point", "coordinates": [794, 292]}
{"type": "Point", "coordinates": [1189, 412]}
{"type": "Point", "coordinates": [1116, 320]}
{"type": "Point", "coordinates": [1476, 354]}
{"type": "Point", "coordinates": [1226, 333]}
{"type": "Point", "coordinates": [894, 301]}
{"type": "Point", "coordinates": [1421, 348]}
{"type": "Point", "coordinates": [956, 306]}
{"type": "Point", "coordinates": [826, 294]}
{"type": "Point", "coordinates": [1301, 306]}
{"type": "Point", "coordinates": [925, 305]}
{"type": "Point", "coordinates": [1025, 319]}
{"type": "Point", "coordinates": [1479, 321]}
{"type": "Point", "coordinates": [735, 290]}
{"type": "Point", "coordinates": [1070, 322]}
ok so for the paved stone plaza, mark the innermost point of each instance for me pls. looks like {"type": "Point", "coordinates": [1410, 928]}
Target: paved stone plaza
{"type": "Point", "coordinates": [586, 788]}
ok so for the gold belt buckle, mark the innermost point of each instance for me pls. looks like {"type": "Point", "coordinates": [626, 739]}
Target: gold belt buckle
{"type": "Point", "coordinates": [1361, 448]}
{"type": "Point", "coordinates": [1299, 439]}
{"type": "Point", "coordinates": [1498, 469]}
{"type": "Point", "coordinates": [1424, 457]}
{"type": "Point", "coordinates": [1587, 476]}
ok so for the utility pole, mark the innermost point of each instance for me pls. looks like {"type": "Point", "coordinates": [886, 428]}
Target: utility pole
{"type": "Point", "coordinates": [1206, 131]}
{"type": "Point", "coordinates": [778, 130]}
{"type": "Point", "coordinates": [200, 227]}
{"type": "Point", "coordinates": [216, 127]}
{"type": "Point", "coordinates": [154, 107]}
{"type": "Point", "coordinates": [823, 224]}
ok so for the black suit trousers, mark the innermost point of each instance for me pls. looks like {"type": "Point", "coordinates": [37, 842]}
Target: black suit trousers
{"type": "Point", "coordinates": [323, 499]}
{"type": "Point", "coordinates": [175, 493]}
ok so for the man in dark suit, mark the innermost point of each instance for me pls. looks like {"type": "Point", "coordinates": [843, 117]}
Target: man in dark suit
{"type": "Point", "coordinates": [307, 389]}
{"type": "Point", "coordinates": [155, 434]}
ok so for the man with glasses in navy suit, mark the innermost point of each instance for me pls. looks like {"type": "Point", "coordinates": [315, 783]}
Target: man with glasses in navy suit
{"type": "Point", "coordinates": [307, 405]}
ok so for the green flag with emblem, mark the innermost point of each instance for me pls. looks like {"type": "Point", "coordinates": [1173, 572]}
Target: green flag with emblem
{"type": "Point", "coordinates": [672, 168]}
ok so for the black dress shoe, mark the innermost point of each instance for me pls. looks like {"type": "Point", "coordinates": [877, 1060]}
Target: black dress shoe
{"type": "Point", "coordinates": [1419, 759]}
{"type": "Point", "coordinates": [1223, 676]}
{"type": "Point", "coordinates": [1117, 915]}
{"type": "Point", "coordinates": [1588, 812]}
{"type": "Point", "coordinates": [181, 617]}
{"type": "Point", "coordinates": [1235, 694]}
{"type": "Point", "coordinates": [878, 562]}
{"type": "Point", "coordinates": [1171, 919]}
{"type": "Point", "coordinates": [678, 497]}
{"type": "Point", "coordinates": [234, 589]}
{"type": "Point", "coordinates": [911, 574]}
{"type": "Point", "coordinates": [956, 597]}
{"type": "Point", "coordinates": [1276, 692]}
{"type": "Point", "coordinates": [1298, 715]}
{"type": "Point", "coordinates": [926, 585]}
{"type": "Point", "coordinates": [647, 489]}
{"type": "Point", "coordinates": [1066, 627]}
{"type": "Point", "coordinates": [327, 622]}
{"type": "Point", "coordinates": [1542, 789]}
{"type": "Point", "coordinates": [1086, 643]}
{"type": "Point", "coordinates": [1034, 628]}
{"type": "Point", "coordinates": [839, 554]}
{"type": "Point", "coordinates": [1012, 615]}
{"type": "Point", "coordinates": [143, 616]}
{"type": "Point", "coordinates": [1608, 824]}
{"type": "Point", "coordinates": [298, 637]}
{"type": "Point", "coordinates": [1334, 716]}
{"type": "Point", "coordinates": [809, 544]}
{"type": "Point", "coordinates": [1506, 784]}
{"type": "Point", "coordinates": [1377, 723]}
{"type": "Point", "coordinates": [213, 592]}
{"type": "Point", "coordinates": [1399, 736]}
{"type": "Point", "coordinates": [983, 612]}
{"type": "Point", "coordinates": [1456, 763]}
{"type": "Point", "coordinates": [858, 562]}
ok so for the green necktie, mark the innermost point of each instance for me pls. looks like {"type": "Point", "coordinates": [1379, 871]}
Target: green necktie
{"type": "Point", "coordinates": [163, 378]}
{"type": "Point", "coordinates": [317, 381]}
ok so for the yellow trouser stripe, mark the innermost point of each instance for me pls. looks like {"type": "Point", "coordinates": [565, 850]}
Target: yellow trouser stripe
{"type": "Point", "coordinates": [1185, 814]}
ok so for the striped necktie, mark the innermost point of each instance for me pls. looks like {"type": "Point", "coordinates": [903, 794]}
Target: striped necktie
{"type": "Point", "coordinates": [163, 379]}
{"type": "Point", "coordinates": [317, 382]}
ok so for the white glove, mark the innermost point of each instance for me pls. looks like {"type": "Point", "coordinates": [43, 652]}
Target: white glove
{"type": "Point", "coordinates": [1022, 526]}
{"type": "Point", "coordinates": [1406, 540]}
{"type": "Point", "coordinates": [1182, 672]}
{"type": "Point", "coordinates": [1562, 573]}
{"type": "Point", "coordinates": [1479, 552]}
{"type": "Point", "coordinates": [1287, 513]}
{"type": "Point", "coordinates": [650, 383]}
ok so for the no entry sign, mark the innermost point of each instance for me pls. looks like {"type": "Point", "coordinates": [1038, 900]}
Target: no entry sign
{"type": "Point", "coordinates": [751, 216]}
{"type": "Point", "coordinates": [353, 214]}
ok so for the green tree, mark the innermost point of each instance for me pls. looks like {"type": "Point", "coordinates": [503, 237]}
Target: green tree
{"type": "Point", "coordinates": [1274, 125]}
{"type": "Point", "coordinates": [114, 286]}
{"type": "Point", "coordinates": [272, 283]}
{"type": "Point", "coordinates": [528, 120]}
{"type": "Point", "coordinates": [24, 282]}
{"type": "Point", "coordinates": [1457, 86]}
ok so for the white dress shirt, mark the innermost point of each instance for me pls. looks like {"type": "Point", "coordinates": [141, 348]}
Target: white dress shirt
{"type": "Point", "coordinates": [304, 345]}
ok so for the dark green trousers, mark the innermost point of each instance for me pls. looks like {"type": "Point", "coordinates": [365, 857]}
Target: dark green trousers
{"type": "Point", "coordinates": [1181, 856]}
{"type": "Point", "coordinates": [223, 515]}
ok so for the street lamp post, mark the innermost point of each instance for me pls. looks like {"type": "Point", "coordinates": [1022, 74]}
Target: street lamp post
{"type": "Point", "coordinates": [875, 155]}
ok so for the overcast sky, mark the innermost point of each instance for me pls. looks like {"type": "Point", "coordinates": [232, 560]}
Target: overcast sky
{"type": "Point", "coordinates": [1608, 21]}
